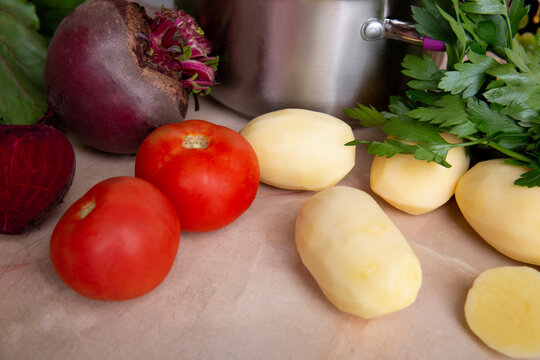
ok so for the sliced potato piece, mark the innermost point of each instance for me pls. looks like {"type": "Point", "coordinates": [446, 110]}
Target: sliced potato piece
{"type": "Point", "coordinates": [358, 257]}
{"type": "Point", "coordinates": [503, 310]}
{"type": "Point", "coordinates": [417, 186]}
{"type": "Point", "coordinates": [301, 149]}
{"type": "Point", "coordinates": [505, 215]}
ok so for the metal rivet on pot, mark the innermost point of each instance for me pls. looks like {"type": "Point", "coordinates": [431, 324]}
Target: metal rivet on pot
{"type": "Point", "coordinates": [373, 29]}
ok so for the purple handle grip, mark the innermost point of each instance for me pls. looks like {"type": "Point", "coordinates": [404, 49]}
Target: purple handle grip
{"type": "Point", "coordinates": [432, 44]}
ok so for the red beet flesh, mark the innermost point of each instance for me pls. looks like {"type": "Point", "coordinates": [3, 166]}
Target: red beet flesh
{"type": "Point", "coordinates": [97, 81]}
{"type": "Point", "coordinates": [37, 164]}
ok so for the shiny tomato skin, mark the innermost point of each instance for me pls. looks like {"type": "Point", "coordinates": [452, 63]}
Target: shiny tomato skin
{"type": "Point", "coordinates": [210, 187]}
{"type": "Point", "coordinates": [118, 241]}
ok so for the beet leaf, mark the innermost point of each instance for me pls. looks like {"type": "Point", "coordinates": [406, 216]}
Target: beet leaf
{"type": "Point", "coordinates": [22, 61]}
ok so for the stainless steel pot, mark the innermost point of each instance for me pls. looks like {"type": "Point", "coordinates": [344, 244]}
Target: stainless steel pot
{"type": "Point", "coordinates": [304, 53]}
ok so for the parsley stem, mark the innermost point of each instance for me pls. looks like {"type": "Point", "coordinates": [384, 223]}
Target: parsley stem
{"type": "Point", "coordinates": [499, 148]}
{"type": "Point", "coordinates": [510, 153]}
{"type": "Point", "coordinates": [508, 24]}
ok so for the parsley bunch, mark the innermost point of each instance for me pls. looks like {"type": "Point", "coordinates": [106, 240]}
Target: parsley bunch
{"type": "Point", "coordinates": [488, 95]}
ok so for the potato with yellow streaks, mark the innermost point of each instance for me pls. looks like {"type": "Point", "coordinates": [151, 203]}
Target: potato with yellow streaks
{"type": "Point", "coordinates": [503, 310]}
{"type": "Point", "coordinates": [505, 215]}
{"type": "Point", "coordinates": [358, 257]}
{"type": "Point", "coordinates": [417, 186]}
{"type": "Point", "coordinates": [301, 149]}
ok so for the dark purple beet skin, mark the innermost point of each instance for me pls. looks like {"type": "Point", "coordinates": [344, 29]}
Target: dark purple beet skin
{"type": "Point", "coordinates": [37, 165]}
{"type": "Point", "coordinates": [98, 84]}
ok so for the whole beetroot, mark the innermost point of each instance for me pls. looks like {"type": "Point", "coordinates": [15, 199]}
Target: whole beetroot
{"type": "Point", "coordinates": [113, 74]}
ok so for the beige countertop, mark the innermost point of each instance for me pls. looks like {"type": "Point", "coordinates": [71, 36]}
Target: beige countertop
{"type": "Point", "coordinates": [240, 292]}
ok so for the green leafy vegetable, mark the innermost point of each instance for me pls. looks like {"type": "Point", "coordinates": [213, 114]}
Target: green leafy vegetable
{"type": "Point", "coordinates": [22, 61]}
{"type": "Point", "coordinates": [488, 95]}
{"type": "Point", "coordinates": [25, 29]}
{"type": "Point", "coordinates": [51, 13]}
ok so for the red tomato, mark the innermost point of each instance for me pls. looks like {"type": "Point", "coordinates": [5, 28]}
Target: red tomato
{"type": "Point", "coordinates": [209, 172]}
{"type": "Point", "coordinates": [118, 241]}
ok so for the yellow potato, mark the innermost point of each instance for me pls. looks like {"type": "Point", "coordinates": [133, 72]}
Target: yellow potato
{"type": "Point", "coordinates": [359, 258]}
{"type": "Point", "coordinates": [503, 310]}
{"type": "Point", "coordinates": [417, 186]}
{"type": "Point", "coordinates": [301, 149]}
{"type": "Point", "coordinates": [505, 215]}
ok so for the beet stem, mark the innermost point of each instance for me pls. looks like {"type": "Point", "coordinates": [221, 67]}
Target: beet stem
{"type": "Point", "coordinates": [176, 46]}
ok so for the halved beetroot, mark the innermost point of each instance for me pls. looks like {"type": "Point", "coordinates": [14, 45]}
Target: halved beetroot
{"type": "Point", "coordinates": [37, 165]}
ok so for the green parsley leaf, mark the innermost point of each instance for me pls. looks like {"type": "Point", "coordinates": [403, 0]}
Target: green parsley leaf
{"type": "Point", "coordinates": [464, 130]}
{"type": "Point", "coordinates": [468, 78]}
{"type": "Point", "coordinates": [488, 121]}
{"type": "Point", "coordinates": [424, 97]}
{"type": "Point", "coordinates": [447, 112]}
{"type": "Point", "coordinates": [488, 31]}
{"type": "Point", "coordinates": [388, 148]}
{"type": "Point", "coordinates": [430, 22]}
{"type": "Point", "coordinates": [459, 31]}
{"type": "Point", "coordinates": [513, 141]}
{"type": "Point", "coordinates": [398, 106]}
{"type": "Point", "coordinates": [534, 100]}
{"type": "Point", "coordinates": [509, 74]}
{"type": "Point", "coordinates": [436, 153]}
{"type": "Point", "coordinates": [484, 7]}
{"type": "Point", "coordinates": [515, 100]}
{"type": "Point", "coordinates": [367, 115]}
{"type": "Point", "coordinates": [518, 11]}
{"type": "Point", "coordinates": [424, 70]}
{"type": "Point", "coordinates": [519, 56]}
{"type": "Point", "coordinates": [405, 128]}
{"type": "Point", "coordinates": [529, 179]}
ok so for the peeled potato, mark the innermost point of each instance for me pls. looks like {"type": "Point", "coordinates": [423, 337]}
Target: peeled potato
{"type": "Point", "coordinates": [417, 186]}
{"type": "Point", "coordinates": [358, 257]}
{"type": "Point", "coordinates": [505, 215]}
{"type": "Point", "coordinates": [301, 149]}
{"type": "Point", "coordinates": [503, 310]}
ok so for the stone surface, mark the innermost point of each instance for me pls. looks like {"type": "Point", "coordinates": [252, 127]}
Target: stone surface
{"type": "Point", "coordinates": [241, 292]}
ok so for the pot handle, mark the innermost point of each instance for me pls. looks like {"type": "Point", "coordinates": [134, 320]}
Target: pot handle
{"type": "Point", "coordinates": [377, 29]}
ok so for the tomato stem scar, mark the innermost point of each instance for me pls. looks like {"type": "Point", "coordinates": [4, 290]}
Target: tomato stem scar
{"type": "Point", "coordinates": [195, 141]}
